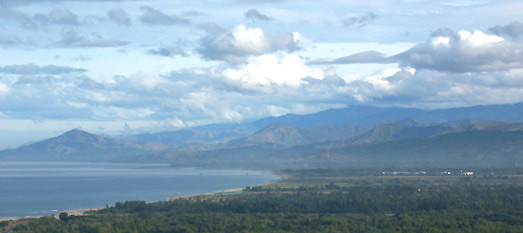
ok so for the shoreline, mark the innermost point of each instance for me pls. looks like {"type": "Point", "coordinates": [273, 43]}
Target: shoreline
{"type": "Point", "coordinates": [83, 211]}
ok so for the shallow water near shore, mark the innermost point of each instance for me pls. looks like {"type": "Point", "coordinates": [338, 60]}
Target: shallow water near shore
{"type": "Point", "coordinates": [46, 188]}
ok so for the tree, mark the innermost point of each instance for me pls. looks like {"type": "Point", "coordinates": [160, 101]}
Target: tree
{"type": "Point", "coordinates": [63, 216]}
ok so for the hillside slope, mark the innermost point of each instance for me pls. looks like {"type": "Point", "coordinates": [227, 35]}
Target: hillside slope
{"type": "Point", "coordinates": [78, 145]}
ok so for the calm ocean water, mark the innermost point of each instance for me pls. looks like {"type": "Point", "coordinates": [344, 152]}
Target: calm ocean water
{"type": "Point", "coordinates": [45, 188]}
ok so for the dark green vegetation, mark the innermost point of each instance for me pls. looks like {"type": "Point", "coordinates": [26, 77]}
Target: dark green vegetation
{"type": "Point", "coordinates": [324, 200]}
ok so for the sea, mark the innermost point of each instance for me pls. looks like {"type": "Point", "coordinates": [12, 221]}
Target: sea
{"type": "Point", "coordinates": [46, 188]}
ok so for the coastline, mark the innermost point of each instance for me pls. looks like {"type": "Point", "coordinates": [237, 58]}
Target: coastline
{"type": "Point", "coordinates": [84, 211]}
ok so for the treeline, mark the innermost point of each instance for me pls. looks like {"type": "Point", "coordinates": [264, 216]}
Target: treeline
{"type": "Point", "coordinates": [334, 199]}
{"type": "Point", "coordinates": [398, 205]}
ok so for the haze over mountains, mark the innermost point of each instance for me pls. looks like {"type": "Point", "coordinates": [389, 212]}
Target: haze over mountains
{"type": "Point", "coordinates": [355, 136]}
{"type": "Point", "coordinates": [367, 116]}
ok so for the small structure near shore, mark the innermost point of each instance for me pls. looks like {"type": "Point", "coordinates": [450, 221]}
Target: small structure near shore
{"type": "Point", "coordinates": [446, 173]}
{"type": "Point", "coordinates": [467, 173]}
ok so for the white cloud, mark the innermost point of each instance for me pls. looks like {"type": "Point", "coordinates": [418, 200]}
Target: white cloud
{"type": "Point", "coordinates": [236, 45]}
{"type": "Point", "coordinates": [440, 41]}
{"type": "Point", "coordinates": [176, 122]}
{"type": "Point", "coordinates": [477, 38]}
{"type": "Point", "coordinates": [267, 70]}
{"type": "Point", "coordinates": [447, 52]}
{"type": "Point", "coordinates": [4, 90]}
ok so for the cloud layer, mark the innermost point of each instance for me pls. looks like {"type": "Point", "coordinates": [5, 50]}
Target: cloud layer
{"type": "Point", "coordinates": [72, 39]}
{"type": "Point", "coordinates": [29, 69]}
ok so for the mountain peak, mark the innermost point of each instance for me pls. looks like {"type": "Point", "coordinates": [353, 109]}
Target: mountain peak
{"type": "Point", "coordinates": [77, 133]}
{"type": "Point", "coordinates": [80, 136]}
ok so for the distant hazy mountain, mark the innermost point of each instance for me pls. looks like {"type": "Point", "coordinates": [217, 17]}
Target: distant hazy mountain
{"type": "Point", "coordinates": [209, 134]}
{"type": "Point", "coordinates": [392, 131]}
{"type": "Point", "coordinates": [78, 145]}
{"type": "Point", "coordinates": [482, 125]}
{"type": "Point", "coordinates": [353, 115]}
{"type": "Point", "coordinates": [372, 116]}
{"type": "Point", "coordinates": [478, 144]}
{"type": "Point", "coordinates": [472, 148]}
{"type": "Point", "coordinates": [279, 135]}
{"type": "Point", "coordinates": [341, 137]}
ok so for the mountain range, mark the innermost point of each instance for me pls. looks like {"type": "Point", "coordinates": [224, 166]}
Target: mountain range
{"type": "Point", "coordinates": [374, 137]}
{"type": "Point", "coordinates": [356, 116]}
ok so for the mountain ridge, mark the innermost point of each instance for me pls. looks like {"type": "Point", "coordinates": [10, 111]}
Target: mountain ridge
{"type": "Point", "coordinates": [356, 115]}
{"type": "Point", "coordinates": [78, 145]}
{"type": "Point", "coordinates": [280, 143]}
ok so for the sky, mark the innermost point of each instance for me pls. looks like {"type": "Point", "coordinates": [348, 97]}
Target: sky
{"type": "Point", "coordinates": [118, 67]}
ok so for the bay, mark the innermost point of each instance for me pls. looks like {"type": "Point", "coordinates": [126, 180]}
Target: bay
{"type": "Point", "coordinates": [46, 188]}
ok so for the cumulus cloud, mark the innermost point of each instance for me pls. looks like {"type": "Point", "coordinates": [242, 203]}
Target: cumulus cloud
{"type": "Point", "coordinates": [263, 87]}
{"type": "Point", "coordinates": [156, 17]}
{"type": "Point", "coordinates": [465, 52]}
{"type": "Point", "coordinates": [449, 52]}
{"type": "Point", "coordinates": [360, 21]}
{"type": "Point", "coordinates": [268, 84]}
{"type": "Point", "coordinates": [264, 72]}
{"type": "Point", "coordinates": [236, 45]}
{"type": "Point", "coordinates": [435, 89]}
{"type": "Point", "coordinates": [73, 40]}
{"type": "Point", "coordinates": [29, 69]}
{"type": "Point", "coordinates": [167, 52]}
{"type": "Point", "coordinates": [513, 31]}
{"type": "Point", "coordinates": [119, 16]}
{"type": "Point", "coordinates": [255, 15]}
